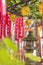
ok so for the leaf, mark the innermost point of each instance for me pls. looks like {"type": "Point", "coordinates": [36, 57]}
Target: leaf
{"type": "Point", "coordinates": [4, 58]}
{"type": "Point", "coordinates": [33, 58]}
{"type": "Point", "coordinates": [20, 63]}
{"type": "Point", "coordinates": [10, 44]}
{"type": "Point", "coordinates": [18, 1]}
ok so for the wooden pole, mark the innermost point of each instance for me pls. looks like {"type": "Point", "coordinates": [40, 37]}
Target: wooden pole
{"type": "Point", "coordinates": [42, 18]}
{"type": "Point", "coordinates": [42, 25]}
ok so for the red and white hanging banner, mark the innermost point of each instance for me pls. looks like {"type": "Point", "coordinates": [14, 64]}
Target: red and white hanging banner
{"type": "Point", "coordinates": [1, 19]}
{"type": "Point", "coordinates": [7, 25]}
{"type": "Point", "coordinates": [19, 29]}
{"type": "Point", "coordinates": [6, 20]}
{"type": "Point", "coordinates": [4, 7]}
{"type": "Point", "coordinates": [1, 25]}
{"type": "Point", "coordinates": [0, 5]}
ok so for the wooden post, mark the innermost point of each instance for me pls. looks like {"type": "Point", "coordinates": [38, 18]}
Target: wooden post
{"type": "Point", "coordinates": [42, 28]}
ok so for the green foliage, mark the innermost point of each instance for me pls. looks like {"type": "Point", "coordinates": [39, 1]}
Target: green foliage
{"type": "Point", "coordinates": [9, 43]}
{"type": "Point", "coordinates": [15, 6]}
{"type": "Point", "coordinates": [10, 58]}
{"type": "Point", "coordinates": [8, 53]}
{"type": "Point", "coordinates": [4, 58]}
{"type": "Point", "coordinates": [18, 1]}
{"type": "Point", "coordinates": [33, 58]}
